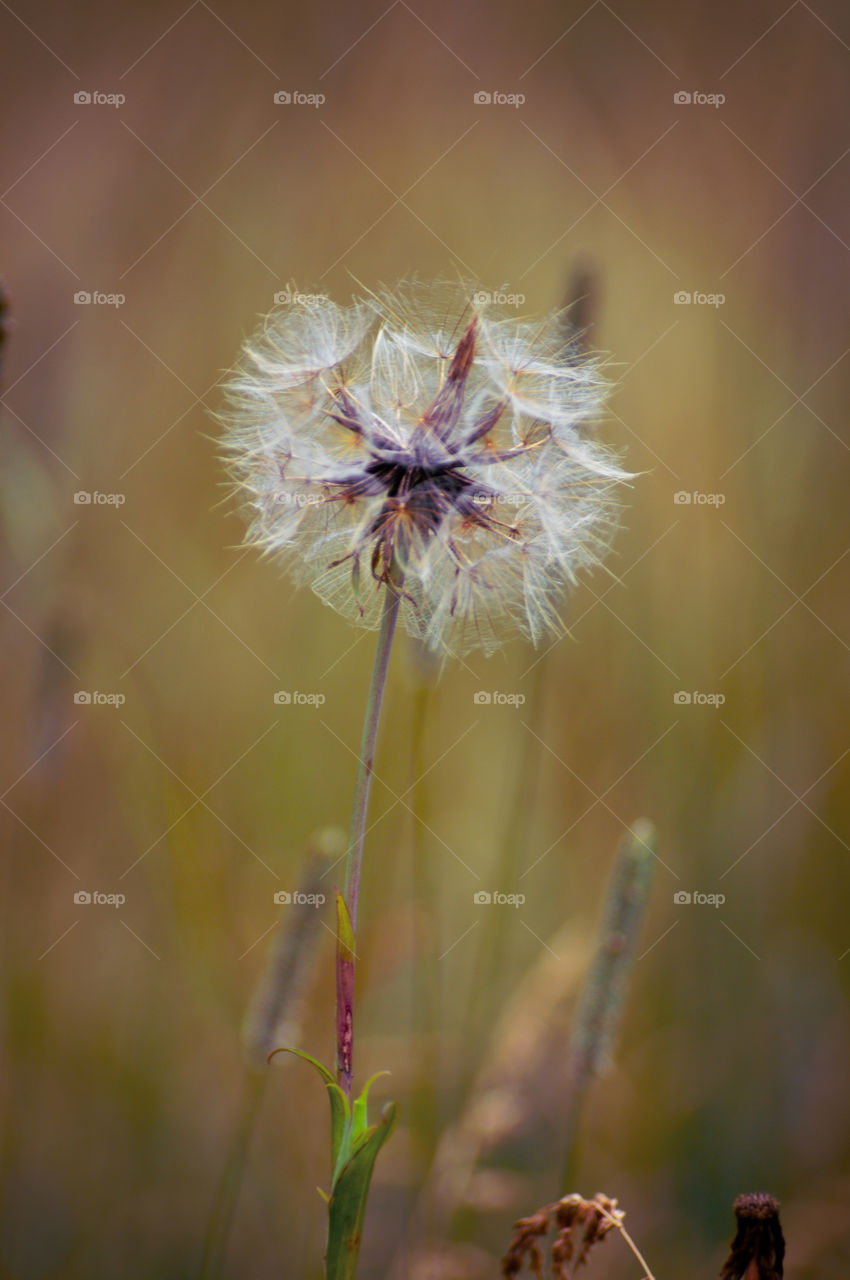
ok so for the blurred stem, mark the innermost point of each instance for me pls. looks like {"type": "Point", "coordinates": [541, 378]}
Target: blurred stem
{"type": "Point", "coordinates": [600, 1004]}
{"type": "Point", "coordinates": [224, 1204]}
{"type": "Point", "coordinates": [359, 814]}
{"type": "Point", "coordinates": [491, 958]}
{"type": "Point", "coordinates": [425, 978]}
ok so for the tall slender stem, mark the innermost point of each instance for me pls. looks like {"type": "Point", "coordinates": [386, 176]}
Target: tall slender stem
{"type": "Point", "coordinates": [359, 814]}
{"type": "Point", "coordinates": [365, 768]}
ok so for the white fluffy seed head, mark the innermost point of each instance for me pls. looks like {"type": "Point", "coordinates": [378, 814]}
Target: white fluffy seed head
{"type": "Point", "coordinates": [415, 434]}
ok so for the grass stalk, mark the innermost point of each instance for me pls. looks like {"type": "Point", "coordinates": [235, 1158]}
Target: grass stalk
{"type": "Point", "coordinates": [600, 1005]}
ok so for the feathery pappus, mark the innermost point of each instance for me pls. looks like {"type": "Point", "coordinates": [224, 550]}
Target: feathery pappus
{"type": "Point", "coordinates": [416, 441]}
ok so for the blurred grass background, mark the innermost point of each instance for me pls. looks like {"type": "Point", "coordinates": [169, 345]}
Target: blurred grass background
{"type": "Point", "coordinates": [198, 199]}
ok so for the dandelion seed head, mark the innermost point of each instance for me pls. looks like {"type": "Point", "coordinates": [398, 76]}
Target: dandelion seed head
{"type": "Point", "coordinates": [415, 442]}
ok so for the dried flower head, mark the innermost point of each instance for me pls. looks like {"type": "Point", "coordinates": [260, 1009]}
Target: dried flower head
{"type": "Point", "coordinates": [758, 1249]}
{"type": "Point", "coordinates": [418, 443]}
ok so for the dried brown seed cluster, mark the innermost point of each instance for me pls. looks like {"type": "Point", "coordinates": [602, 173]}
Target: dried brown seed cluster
{"type": "Point", "coordinates": [578, 1225]}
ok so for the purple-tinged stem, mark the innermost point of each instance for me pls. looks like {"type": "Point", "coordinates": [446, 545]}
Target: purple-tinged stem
{"type": "Point", "coordinates": [359, 814]}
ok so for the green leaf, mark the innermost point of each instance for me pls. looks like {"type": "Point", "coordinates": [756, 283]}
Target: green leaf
{"type": "Point", "coordinates": [354, 1150]}
{"type": "Point", "coordinates": [326, 1075]}
{"type": "Point", "coordinates": [340, 1109]}
{"type": "Point", "coordinates": [347, 1209]}
{"type": "Point", "coordinates": [358, 1115]}
{"type": "Point", "coordinates": [340, 1125]}
{"type": "Point", "coordinates": [354, 1128]}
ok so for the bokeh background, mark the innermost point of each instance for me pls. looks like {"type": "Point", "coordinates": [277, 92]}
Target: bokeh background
{"type": "Point", "coordinates": [197, 199]}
